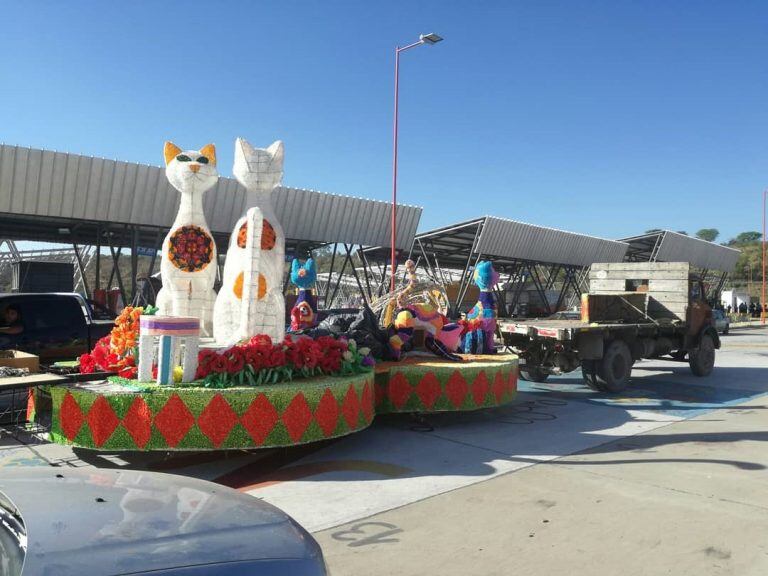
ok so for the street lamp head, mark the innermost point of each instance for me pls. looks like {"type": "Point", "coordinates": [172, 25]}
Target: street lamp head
{"type": "Point", "coordinates": [431, 38]}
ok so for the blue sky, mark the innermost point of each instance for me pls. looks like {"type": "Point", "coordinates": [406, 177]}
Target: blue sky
{"type": "Point", "coordinates": [604, 117]}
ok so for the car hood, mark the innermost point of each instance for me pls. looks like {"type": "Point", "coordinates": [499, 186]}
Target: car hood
{"type": "Point", "coordinates": [107, 522]}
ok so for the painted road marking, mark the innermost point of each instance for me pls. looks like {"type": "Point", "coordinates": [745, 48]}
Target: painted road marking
{"type": "Point", "coordinates": [366, 533]}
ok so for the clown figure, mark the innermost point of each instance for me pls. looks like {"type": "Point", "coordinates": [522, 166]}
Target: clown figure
{"type": "Point", "coordinates": [304, 312]}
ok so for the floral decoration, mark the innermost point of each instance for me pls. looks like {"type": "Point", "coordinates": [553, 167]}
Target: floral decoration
{"type": "Point", "coordinates": [117, 352]}
{"type": "Point", "coordinates": [242, 235]}
{"type": "Point", "coordinates": [256, 362]}
{"type": "Point", "coordinates": [260, 362]}
{"type": "Point", "coordinates": [268, 236]}
{"type": "Point", "coordinates": [190, 248]}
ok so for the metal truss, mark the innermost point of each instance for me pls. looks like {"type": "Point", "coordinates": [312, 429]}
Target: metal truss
{"type": "Point", "coordinates": [80, 256]}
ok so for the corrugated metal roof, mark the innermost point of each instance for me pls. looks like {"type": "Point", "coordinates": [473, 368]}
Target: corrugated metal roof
{"type": "Point", "coordinates": [676, 247]}
{"type": "Point", "coordinates": [517, 240]}
{"type": "Point", "coordinates": [45, 183]}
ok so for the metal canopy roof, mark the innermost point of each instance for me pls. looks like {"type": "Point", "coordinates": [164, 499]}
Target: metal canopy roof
{"type": "Point", "coordinates": [507, 241]}
{"type": "Point", "coordinates": [668, 246]}
{"type": "Point", "coordinates": [43, 190]}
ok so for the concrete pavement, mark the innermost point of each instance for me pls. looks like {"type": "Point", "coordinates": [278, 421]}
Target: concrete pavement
{"type": "Point", "coordinates": [685, 497]}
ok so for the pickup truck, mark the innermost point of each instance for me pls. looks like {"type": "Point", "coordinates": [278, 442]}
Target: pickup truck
{"type": "Point", "coordinates": [55, 326]}
{"type": "Point", "coordinates": [633, 310]}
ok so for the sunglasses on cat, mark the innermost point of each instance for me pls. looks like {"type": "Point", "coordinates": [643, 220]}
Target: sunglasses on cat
{"type": "Point", "coordinates": [185, 158]}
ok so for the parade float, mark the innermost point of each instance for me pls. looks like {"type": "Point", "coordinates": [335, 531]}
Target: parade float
{"type": "Point", "coordinates": [445, 380]}
{"type": "Point", "coordinates": [208, 371]}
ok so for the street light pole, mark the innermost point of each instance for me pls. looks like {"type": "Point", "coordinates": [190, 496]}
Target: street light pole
{"type": "Point", "coordinates": [423, 39]}
{"type": "Point", "coordinates": [762, 297]}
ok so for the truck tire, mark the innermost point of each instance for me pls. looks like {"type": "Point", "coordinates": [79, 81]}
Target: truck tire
{"type": "Point", "coordinates": [589, 374]}
{"type": "Point", "coordinates": [702, 359]}
{"type": "Point", "coordinates": [533, 374]}
{"type": "Point", "coordinates": [615, 368]}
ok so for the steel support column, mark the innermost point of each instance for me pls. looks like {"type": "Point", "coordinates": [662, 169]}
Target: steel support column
{"type": "Point", "coordinates": [81, 268]}
{"type": "Point", "coordinates": [330, 275]}
{"type": "Point", "coordinates": [348, 248]}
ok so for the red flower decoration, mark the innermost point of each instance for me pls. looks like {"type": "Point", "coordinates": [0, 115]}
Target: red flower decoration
{"type": "Point", "coordinates": [219, 365]}
{"type": "Point", "coordinates": [87, 364]}
{"type": "Point", "coordinates": [276, 358]}
{"type": "Point", "coordinates": [304, 355]}
{"type": "Point", "coordinates": [260, 340]}
{"type": "Point", "coordinates": [129, 372]}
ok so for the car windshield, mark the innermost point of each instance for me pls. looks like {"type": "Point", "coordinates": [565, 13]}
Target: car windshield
{"type": "Point", "coordinates": [13, 538]}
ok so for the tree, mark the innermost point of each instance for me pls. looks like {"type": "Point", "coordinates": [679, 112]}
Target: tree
{"type": "Point", "coordinates": [708, 234]}
{"type": "Point", "coordinates": [748, 265]}
{"type": "Point", "coordinates": [748, 237]}
{"type": "Point", "coordinates": [654, 230]}
{"type": "Point", "coordinates": [683, 232]}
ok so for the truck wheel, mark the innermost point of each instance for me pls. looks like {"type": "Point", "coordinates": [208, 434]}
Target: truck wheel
{"type": "Point", "coordinates": [533, 374]}
{"type": "Point", "coordinates": [615, 368]}
{"type": "Point", "coordinates": [589, 374]}
{"type": "Point", "coordinates": [702, 360]}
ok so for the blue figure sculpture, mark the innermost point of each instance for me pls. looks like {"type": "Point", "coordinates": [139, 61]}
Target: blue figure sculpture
{"type": "Point", "coordinates": [304, 311]}
{"type": "Point", "coordinates": [480, 334]}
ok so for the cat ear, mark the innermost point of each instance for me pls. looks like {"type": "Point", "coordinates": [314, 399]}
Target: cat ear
{"type": "Point", "coordinates": [277, 151]}
{"type": "Point", "coordinates": [295, 266]}
{"type": "Point", "coordinates": [243, 151]}
{"type": "Point", "coordinates": [170, 151]}
{"type": "Point", "coordinates": [310, 265]}
{"type": "Point", "coordinates": [209, 151]}
{"type": "Point", "coordinates": [243, 148]}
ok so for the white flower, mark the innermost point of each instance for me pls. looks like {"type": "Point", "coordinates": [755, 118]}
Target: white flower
{"type": "Point", "coordinates": [364, 351]}
{"type": "Point", "coordinates": [347, 356]}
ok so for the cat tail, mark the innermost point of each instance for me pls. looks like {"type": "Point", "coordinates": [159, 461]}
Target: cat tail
{"type": "Point", "coordinates": [251, 272]}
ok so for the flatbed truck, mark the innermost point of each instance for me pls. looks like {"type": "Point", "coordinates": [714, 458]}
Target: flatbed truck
{"type": "Point", "coordinates": [633, 310]}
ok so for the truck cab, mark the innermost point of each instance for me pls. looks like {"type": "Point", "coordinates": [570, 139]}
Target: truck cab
{"type": "Point", "coordinates": [54, 326]}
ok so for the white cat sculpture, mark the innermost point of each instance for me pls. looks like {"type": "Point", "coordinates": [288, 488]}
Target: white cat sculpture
{"type": "Point", "coordinates": [251, 299]}
{"type": "Point", "coordinates": [188, 265]}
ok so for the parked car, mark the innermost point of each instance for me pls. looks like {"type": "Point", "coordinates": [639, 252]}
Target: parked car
{"type": "Point", "coordinates": [88, 522]}
{"type": "Point", "coordinates": [55, 326]}
{"type": "Point", "coordinates": [721, 322]}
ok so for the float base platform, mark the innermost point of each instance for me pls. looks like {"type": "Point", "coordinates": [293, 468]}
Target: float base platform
{"type": "Point", "coordinates": [422, 384]}
{"type": "Point", "coordinates": [110, 416]}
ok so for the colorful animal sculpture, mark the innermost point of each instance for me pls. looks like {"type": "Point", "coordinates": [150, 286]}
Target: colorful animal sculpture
{"type": "Point", "coordinates": [441, 336]}
{"type": "Point", "coordinates": [480, 324]}
{"type": "Point", "coordinates": [251, 300]}
{"type": "Point", "coordinates": [304, 311]}
{"type": "Point", "coordinates": [188, 263]}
